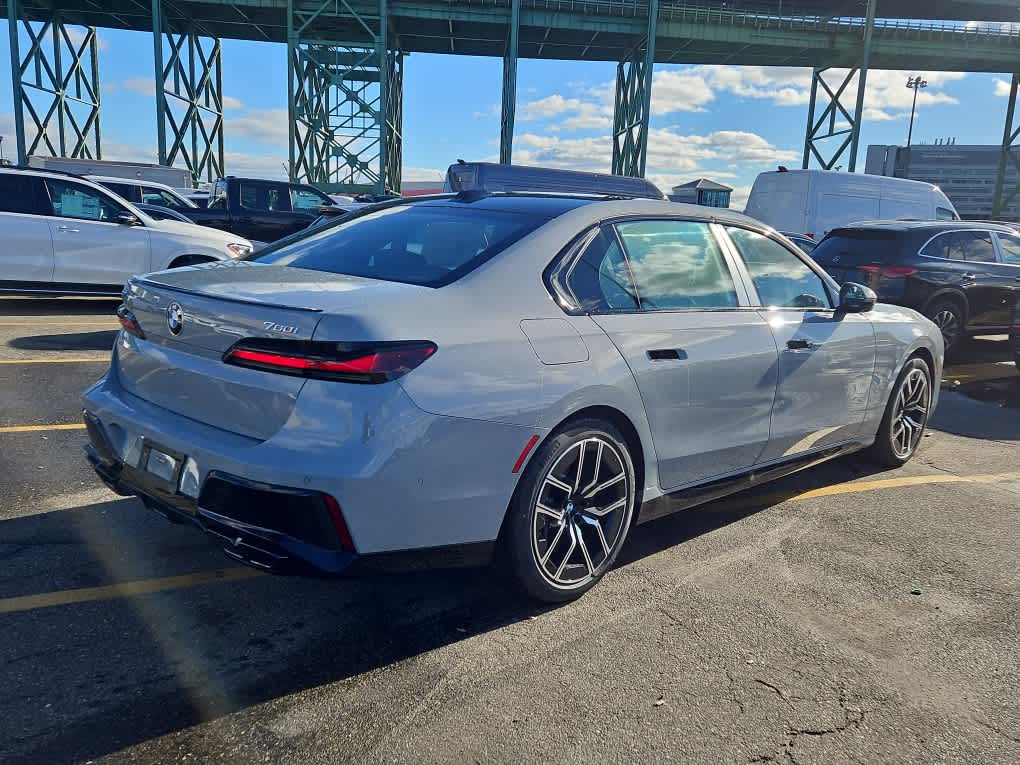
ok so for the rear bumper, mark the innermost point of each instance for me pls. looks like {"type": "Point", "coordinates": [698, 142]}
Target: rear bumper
{"type": "Point", "coordinates": [415, 489]}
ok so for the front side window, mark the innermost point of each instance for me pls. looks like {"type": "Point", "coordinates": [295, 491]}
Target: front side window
{"type": "Point", "coordinates": [1010, 246]}
{"type": "Point", "coordinates": [426, 245]}
{"type": "Point", "coordinates": [677, 264]}
{"type": "Point", "coordinates": [128, 191]}
{"type": "Point", "coordinates": [600, 279]}
{"type": "Point", "coordinates": [781, 278]}
{"type": "Point", "coordinates": [72, 200]}
{"type": "Point", "coordinates": [305, 199]}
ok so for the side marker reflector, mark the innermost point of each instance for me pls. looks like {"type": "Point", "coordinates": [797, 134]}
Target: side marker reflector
{"type": "Point", "coordinates": [524, 454]}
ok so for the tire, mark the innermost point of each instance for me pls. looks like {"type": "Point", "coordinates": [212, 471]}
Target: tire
{"type": "Point", "coordinates": [906, 416]}
{"type": "Point", "coordinates": [948, 317]}
{"type": "Point", "coordinates": [554, 548]}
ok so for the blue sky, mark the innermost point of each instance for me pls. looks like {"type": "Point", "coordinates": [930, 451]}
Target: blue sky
{"type": "Point", "coordinates": [725, 123]}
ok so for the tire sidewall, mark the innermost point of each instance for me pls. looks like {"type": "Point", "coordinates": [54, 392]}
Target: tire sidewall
{"type": "Point", "coordinates": [517, 540]}
{"type": "Point", "coordinates": [938, 307]}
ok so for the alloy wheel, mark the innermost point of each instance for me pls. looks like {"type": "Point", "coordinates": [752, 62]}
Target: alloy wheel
{"type": "Point", "coordinates": [583, 508]}
{"type": "Point", "coordinates": [949, 325]}
{"type": "Point", "coordinates": [911, 412]}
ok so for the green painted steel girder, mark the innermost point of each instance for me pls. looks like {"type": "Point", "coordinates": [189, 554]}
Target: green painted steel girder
{"type": "Point", "coordinates": [344, 100]}
{"type": "Point", "coordinates": [632, 108]}
{"type": "Point", "coordinates": [509, 104]}
{"type": "Point", "coordinates": [56, 84]}
{"type": "Point", "coordinates": [1007, 188]}
{"type": "Point", "coordinates": [189, 94]}
{"type": "Point", "coordinates": [837, 129]}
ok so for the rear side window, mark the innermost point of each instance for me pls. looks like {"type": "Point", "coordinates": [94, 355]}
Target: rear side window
{"type": "Point", "coordinates": [128, 191]}
{"type": "Point", "coordinates": [273, 197]}
{"type": "Point", "coordinates": [677, 264]}
{"type": "Point", "coordinates": [305, 199]}
{"type": "Point", "coordinates": [72, 200]}
{"type": "Point", "coordinates": [22, 194]}
{"type": "Point", "coordinates": [600, 279]}
{"type": "Point", "coordinates": [781, 278]}
{"type": "Point", "coordinates": [1010, 246]}
{"type": "Point", "coordinates": [943, 213]}
{"type": "Point", "coordinates": [414, 244]}
{"type": "Point", "coordinates": [969, 246]}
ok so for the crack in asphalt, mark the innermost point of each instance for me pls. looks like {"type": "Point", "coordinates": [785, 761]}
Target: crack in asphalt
{"type": "Point", "coordinates": [779, 691]}
{"type": "Point", "coordinates": [733, 692]}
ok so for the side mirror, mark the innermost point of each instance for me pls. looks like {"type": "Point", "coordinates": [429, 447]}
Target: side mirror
{"type": "Point", "coordinates": [127, 219]}
{"type": "Point", "coordinates": [856, 298]}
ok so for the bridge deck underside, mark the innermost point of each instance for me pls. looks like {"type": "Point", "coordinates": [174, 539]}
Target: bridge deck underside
{"type": "Point", "coordinates": [565, 31]}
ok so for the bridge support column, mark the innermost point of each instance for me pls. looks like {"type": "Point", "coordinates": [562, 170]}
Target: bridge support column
{"type": "Point", "coordinates": [506, 129]}
{"type": "Point", "coordinates": [56, 84]}
{"type": "Point", "coordinates": [189, 94]}
{"type": "Point", "coordinates": [1006, 188]}
{"type": "Point", "coordinates": [836, 129]}
{"type": "Point", "coordinates": [344, 103]}
{"type": "Point", "coordinates": [633, 103]}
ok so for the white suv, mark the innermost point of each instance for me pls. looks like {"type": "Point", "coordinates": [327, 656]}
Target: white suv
{"type": "Point", "coordinates": [61, 234]}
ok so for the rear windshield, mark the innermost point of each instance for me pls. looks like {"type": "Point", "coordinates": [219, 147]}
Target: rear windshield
{"type": "Point", "coordinates": [850, 245]}
{"type": "Point", "coordinates": [430, 246]}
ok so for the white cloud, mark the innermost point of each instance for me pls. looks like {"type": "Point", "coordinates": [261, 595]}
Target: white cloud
{"type": "Point", "coordinates": [1002, 88]}
{"type": "Point", "coordinates": [142, 86]}
{"type": "Point", "coordinates": [422, 174]}
{"type": "Point", "coordinates": [229, 102]}
{"type": "Point", "coordinates": [684, 90]}
{"type": "Point", "coordinates": [265, 126]}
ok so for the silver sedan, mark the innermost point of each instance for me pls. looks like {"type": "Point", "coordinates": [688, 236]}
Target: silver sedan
{"type": "Point", "coordinates": [531, 375]}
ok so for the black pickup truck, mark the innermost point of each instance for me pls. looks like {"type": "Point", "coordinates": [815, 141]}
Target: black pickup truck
{"type": "Point", "coordinates": [263, 211]}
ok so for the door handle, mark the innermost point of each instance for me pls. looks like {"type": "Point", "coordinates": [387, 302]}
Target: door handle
{"type": "Point", "coordinates": [69, 229]}
{"type": "Point", "coordinates": [968, 277]}
{"type": "Point", "coordinates": [800, 344]}
{"type": "Point", "coordinates": [667, 354]}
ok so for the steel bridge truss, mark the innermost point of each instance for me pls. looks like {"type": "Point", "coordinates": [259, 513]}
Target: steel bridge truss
{"type": "Point", "coordinates": [345, 104]}
{"type": "Point", "coordinates": [189, 93]}
{"type": "Point", "coordinates": [56, 84]}
{"type": "Point", "coordinates": [1007, 183]}
{"type": "Point", "coordinates": [632, 108]}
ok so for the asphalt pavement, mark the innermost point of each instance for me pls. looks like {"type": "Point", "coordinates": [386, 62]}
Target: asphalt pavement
{"type": "Point", "coordinates": [842, 615]}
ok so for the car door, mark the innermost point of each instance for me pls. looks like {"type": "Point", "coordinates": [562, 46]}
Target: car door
{"type": "Point", "coordinates": [704, 362]}
{"type": "Point", "coordinates": [986, 286]}
{"type": "Point", "coordinates": [1009, 266]}
{"type": "Point", "coordinates": [26, 252]}
{"type": "Point", "coordinates": [826, 359]}
{"type": "Point", "coordinates": [90, 247]}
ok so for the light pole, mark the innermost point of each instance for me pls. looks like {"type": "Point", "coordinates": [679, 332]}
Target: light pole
{"type": "Point", "coordinates": [915, 84]}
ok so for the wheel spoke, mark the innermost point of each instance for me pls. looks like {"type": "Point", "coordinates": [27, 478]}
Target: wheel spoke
{"type": "Point", "coordinates": [555, 514]}
{"type": "Point", "coordinates": [602, 536]}
{"type": "Point", "coordinates": [604, 485]}
{"type": "Point", "coordinates": [558, 483]}
{"type": "Point", "coordinates": [552, 545]}
{"type": "Point", "coordinates": [602, 512]}
{"type": "Point", "coordinates": [584, 550]}
{"type": "Point", "coordinates": [570, 553]}
{"type": "Point", "coordinates": [580, 465]}
{"type": "Point", "coordinates": [598, 467]}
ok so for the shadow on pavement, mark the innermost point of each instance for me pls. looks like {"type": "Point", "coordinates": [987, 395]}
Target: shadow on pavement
{"type": "Point", "coordinates": [78, 341]}
{"type": "Point", "coordinates": [50, 307]}
{"type": "Point", "coordinates": [984, 386]}
{"type": "Point", "coordinates": [86, 679]}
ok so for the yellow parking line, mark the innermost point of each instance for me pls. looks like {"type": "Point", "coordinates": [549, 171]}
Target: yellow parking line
{"type": "Point", "coordinates": [37, 428]}
{"type": "Point", "coordinates": [125, 589]}
{"type": "Point", "coordinates": [147, 586]}
{"type": "Point", "coordinates": [61, 360]}
{"type": "Point", "coordinates": [91, 324]}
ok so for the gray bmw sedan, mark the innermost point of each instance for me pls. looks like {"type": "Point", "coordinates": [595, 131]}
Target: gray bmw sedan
{"type": "Point", "coordinates": [468, 374]}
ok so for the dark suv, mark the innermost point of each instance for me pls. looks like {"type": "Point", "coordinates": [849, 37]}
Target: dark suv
{"type": "Point", "coordinates": [964, 276]}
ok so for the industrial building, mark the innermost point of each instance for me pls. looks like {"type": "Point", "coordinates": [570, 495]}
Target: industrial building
{"type": "Point", "coordinates": [702, 192]}
{"type": "Point", "coordinates": [966, 173]}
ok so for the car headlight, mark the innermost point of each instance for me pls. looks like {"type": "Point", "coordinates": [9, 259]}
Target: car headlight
{"type": "Point", "coordinates": [238, 250]}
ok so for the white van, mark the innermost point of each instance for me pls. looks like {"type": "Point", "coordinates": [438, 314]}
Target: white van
{"type": "Point", "coordinates": [813, 202]}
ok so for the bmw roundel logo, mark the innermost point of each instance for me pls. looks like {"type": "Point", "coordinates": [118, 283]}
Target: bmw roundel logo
{"type": "Point", "coordinates": [175, 318]}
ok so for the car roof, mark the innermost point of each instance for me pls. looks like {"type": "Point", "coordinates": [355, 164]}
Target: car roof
{"type": "Point", "coordinates": [116, 179]}
{"type": "Point", "coordinates": [923, 225]}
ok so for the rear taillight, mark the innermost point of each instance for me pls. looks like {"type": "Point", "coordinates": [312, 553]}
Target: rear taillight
{"type": "Point", "coordinates": [344, 362]}
{"type": "Point", "coordinates": [129, 322]}
{"type": "Point", "coordinates": [889, 272]}
{"type": "Point", "coordinates": [337, 516]}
